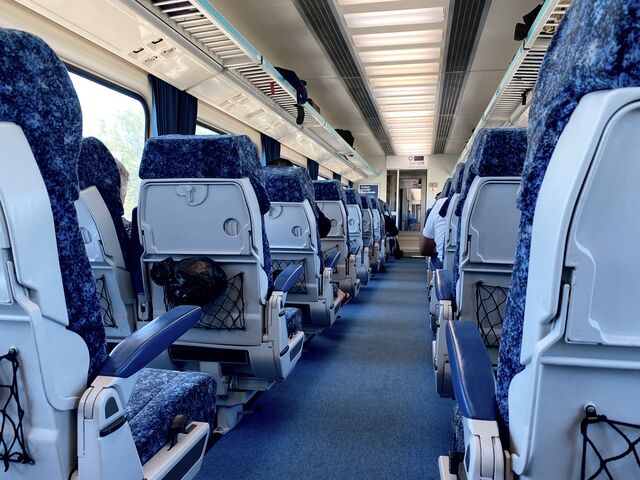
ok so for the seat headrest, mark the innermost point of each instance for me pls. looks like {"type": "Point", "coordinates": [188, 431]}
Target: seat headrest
{"type": "Point", "coordinates": [446, 189]}
{"type": "Point", "coordinates": [373, 203]}
{"type": "Point", "coordinates": [496, 152]}
{"type": "Point", "coordinates": [353, 197]}
{"type": "Point", "coordinates": [596, 47]}
{"type": "Point", "coordinates": [365, 202]}
{"type": "Point", "coordinates": [97, 167]}
{"type": "Point", "coordinates": [289, 184]}
{"type": "Point", "coordinates": [329, 190]}
{"type": "Point", "coordinates": [204, 156]}
{"type": "Point", "coordinates": [36, 93]}
{"type": "Point", "coordinates": [458, 176]}
{"type": "Point", "coordinates": [501, 153]}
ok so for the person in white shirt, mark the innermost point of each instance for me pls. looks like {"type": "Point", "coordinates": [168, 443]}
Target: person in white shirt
{"type": "Point", "coordinates": [432, 244]}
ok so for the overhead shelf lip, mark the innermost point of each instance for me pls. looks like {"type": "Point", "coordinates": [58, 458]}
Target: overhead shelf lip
{"type": "Point", "coordinates": [256, 59]}
{"type": "Point", "coordinates": [535, 44]}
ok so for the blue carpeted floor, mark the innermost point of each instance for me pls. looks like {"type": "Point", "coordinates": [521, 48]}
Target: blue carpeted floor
{"type": "Point", "coordinates": [361, 402]}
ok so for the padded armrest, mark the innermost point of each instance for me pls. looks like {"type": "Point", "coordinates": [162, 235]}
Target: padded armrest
{"type": "Point", "coordinates": [287, 278]}
{"type": "Point", "coordinates": [141, 347]}
{"type": "Point", "coordinates": [332, 260]}
{"type": "Point", "coordinates": [443, 285]}
{"type": "Point", "coordinates": [355, 250]}
{"type": "Point", "coordinates": [471, 371]}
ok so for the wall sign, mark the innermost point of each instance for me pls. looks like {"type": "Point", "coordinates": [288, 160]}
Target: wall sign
{"type": "Point", "coordinates": [369, 189]}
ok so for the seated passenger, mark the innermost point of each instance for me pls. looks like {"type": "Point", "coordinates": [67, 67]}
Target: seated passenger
{"type": "Point", "coordinates": [432, 244]}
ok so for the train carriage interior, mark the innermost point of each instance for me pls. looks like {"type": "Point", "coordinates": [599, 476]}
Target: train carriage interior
{"type": "Point", "coordinates": [323, 239]}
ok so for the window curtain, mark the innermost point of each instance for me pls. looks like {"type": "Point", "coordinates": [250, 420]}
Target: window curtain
{"type": "Point", "coordinates": [174, 111]}
{"type": "Point", "coordinates": [314, 168]}
{"type": "Point", "coordinates": [270, 148]}
{"type": "Point", "coordinates": [350, 184]}
{"type": "Point", "coordinates": [337, 176]}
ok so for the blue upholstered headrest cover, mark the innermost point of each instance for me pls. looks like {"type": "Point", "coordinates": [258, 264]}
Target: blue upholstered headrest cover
{"type": "Point", "coordinates": [373, 203]}
{"type": "Point", "coordinates": [353, 197]}
{"type": "Point", "coordinates": [36, 94]}
{"type": "Point", "coordinates": [366, 202]}
{"type": "Point", "coordinates": [496, 152]}
{"type": "Point", "coordinates": [204, 156]}
{"type": "Point", "coordinates": [596, 47]}
{"type": "Point", "coordinates": [329, 190]}
{"type": "Point", "coordinates": [98, 168]}
{"type": "Point", "coordinates": [289, 184]}
{"type": "Point", "coordinates": [446, 190]}
{"type": "Point", "coordinates": [458, 176]}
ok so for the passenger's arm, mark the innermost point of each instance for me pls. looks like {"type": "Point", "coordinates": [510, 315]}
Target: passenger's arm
{"type": "Point", "coordinates": [428, 247]}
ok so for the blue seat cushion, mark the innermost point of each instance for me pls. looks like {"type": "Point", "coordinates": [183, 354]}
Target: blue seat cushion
{"type": "Point", "coordinates": [458, 429]}
{"type": "Point", "coordinates": [293, 317]}
{"type": "Point", "coordinates": [596, 47]}
{"type": "Point", "coordinates": [98, 168]}
{"type": "Point", "coordinates": [353, 197]}
{"type": "Point", "coordinates": [36, 93]}
{"type": "Point", "coordinates": [209, 156]}
{"type": "Point", "coordinates": [160, 395]}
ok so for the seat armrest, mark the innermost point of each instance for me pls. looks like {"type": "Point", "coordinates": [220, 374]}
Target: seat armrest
{"type": "Point", "coordinates": [471, 371]}
{"type": "Point", "coordinates": [443, 284]}
{"type": "Point", "coordinates": [332, 260]}
{"type": "Point", "coordinates": [287, 278]}
{"type": "Point", "coordinates": [354, 250]}
{"type": "Point", "coordinates": [138, 349]}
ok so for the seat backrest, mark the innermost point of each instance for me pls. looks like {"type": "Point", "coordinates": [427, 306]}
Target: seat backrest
{"type": "Point", "coordinates": [447, 187]}
{"type": "Point", "coordinates": [355, 218]}
{"type": "Point", "coordinates": [49, 311]}
{"type": "Point", "coordinates": [331, 199]}
{"type": "Point", "coordinates": [375, 216]}
{"type": "Point", "coordinates": [38, 96]}
{"type": "Point", "coordinates": [211, 202]}
{"type": "Point", "coordinates": [106, 239]}
{"type": "Point", "coordinates": [98, 168]}
{"type": "Point", "coordinates": [489, 220]}
{"type": "Point", "coordinates": [292, 220]}
{"type": "Point", "coordinates": [596, 47]}
{"type": "Point", "coordinates": [367, 220]}
{"type": "Point", "coordinates": [496, 152]}
{"type": "Point", "coordinates": [380, 204]}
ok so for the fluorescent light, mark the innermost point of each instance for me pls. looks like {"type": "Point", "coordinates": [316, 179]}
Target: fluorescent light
{"type": "Point", "coordinates": [410, 131]}
{"type": "Point", "coordinates": [404, 91]}
{"type": "Point", "coordinates": [397, 38]}
{"type": "Point", "coordinates": [399, 55]}
{"type": "Point", "coordinates": [409, 106]}
{"type": "Point", "coordinates": [409, 113]}
{"type": "Point", "coordinates": [404, 80]}
{"type": "Point", "coordinates": [387, 18]}
{"type": "Point", "coordinates": [407, 123]}
{"type": "Point", "coordinates": [403, 69]}
{"type": "Point", "coordinates": [406, 100]}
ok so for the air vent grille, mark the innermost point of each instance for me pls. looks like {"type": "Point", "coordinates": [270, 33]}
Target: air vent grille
{"type": "Point", "coordinates": [322, 20]}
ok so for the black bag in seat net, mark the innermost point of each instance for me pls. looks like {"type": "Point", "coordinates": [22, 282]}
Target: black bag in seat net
{"type": "Point", "coordinates": [192, 281]}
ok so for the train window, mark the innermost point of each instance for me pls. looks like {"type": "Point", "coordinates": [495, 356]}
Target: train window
{"type": "Point", "coordinates": [202, 129]}
{"type": "Point", "coordinates": [320, 177]}
{"type": "Point", "coordinates": [119, 119]}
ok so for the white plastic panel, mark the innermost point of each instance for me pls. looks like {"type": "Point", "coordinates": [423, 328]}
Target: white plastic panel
{"type": "Point", "coordinates": [494, 220]}
{"type": "Point", "coordinates": [335, 211]}
{"type": "Point", "coordinates": [288, 226]}
{"type": "Point", "coordinates": [602, 244]}
{"type": "Point", "coordinates": [354, 220]}
{"type": "Point", "coordinates": [195, 218]}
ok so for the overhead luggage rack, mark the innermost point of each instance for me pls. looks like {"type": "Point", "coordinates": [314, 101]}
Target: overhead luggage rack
{"type": "Point", "coordinates": [203, 26]}
{"type": "Point", "coordinates": [512, 97]}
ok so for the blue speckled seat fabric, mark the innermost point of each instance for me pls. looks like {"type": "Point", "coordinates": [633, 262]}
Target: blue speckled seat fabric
{"type": "Point", "coordinates": [456, 187]}
{"type": "Point", "coordinates": [597, 47]}
{"type": "Point", "coordinates": [293, 184]}
{"type": "Point", "coordinates": [293, 317]}
{"type": "Point", "coordinates": [209, 156]}
{"type": "Point", "coordinates": [97, 168]}
{"type": "Point", "coordinates": [36, 94]}
{"type": "Point", "coordinates": [497, 152]}
{"type": "Point", "coordinates": [446, 189]}
{"type": "Point", "coordinates": [160, 395]}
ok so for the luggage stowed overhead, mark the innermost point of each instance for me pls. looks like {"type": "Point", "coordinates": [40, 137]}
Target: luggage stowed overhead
{"type": "Point", "coordinates": [346, 135]}
{"type": "Point", "coordinates": [301, 90]}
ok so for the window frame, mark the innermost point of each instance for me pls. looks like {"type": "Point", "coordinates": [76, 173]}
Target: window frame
{"type": "Point", "coordinates": [200, 123]}
{"type": "Point", "coordinates": [118, 88]}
